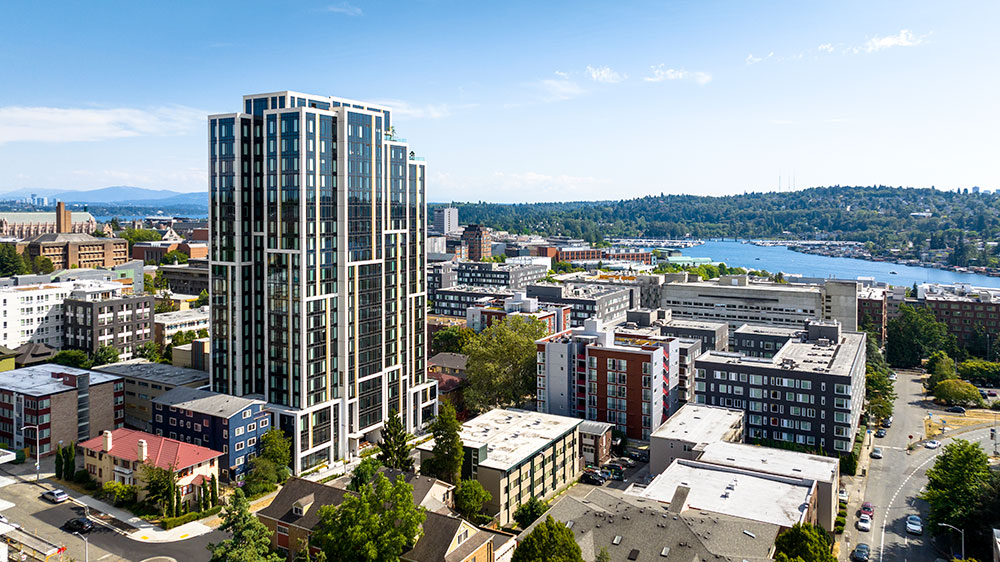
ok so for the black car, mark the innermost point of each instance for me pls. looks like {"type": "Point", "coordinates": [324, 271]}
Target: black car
{"type": "Point", "coordinates": [887, 423]}
{"type": "Point", "coordinates": [956, 410]}
{"type": "Point", "coordinates": [861, 553]}
{"type": "Point", "coordinates": [880, 433]}
{"type": "Point", "coordinates": [641, 456]}
{"type": "Point", "coordinates": [79, 525]}
{"type": "Point", "coordinates": [591, 478]}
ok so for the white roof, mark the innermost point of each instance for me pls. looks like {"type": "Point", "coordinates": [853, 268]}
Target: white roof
{"type": "Point", "coordinates": [511, 436]}
{"type": "Point", "coordinates": [760, 497]}
{"type": "Point", "coordinates": [699, 424]}
{"type": "Point", "coordinates": [771, 461]}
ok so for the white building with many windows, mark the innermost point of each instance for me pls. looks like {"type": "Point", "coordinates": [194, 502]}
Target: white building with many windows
{"type": "Point", "coordinates": [34, 313]}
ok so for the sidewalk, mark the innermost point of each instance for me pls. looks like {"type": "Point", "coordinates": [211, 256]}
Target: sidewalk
{"type": "Point", "coordinates": [857, 487]}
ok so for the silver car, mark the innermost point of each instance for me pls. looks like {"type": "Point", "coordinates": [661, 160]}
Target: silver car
{"type": "Point", "coordinates": [914, 525]}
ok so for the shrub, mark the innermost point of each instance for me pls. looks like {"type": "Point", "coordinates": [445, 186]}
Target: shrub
{"type": "Point", "coordinates": [849, 464]}
{"type": "Point", "coordinates": [838, 529]}
{"type": "Point", "coordinates": [842, 512]}
{"type": "Point", "coordinates": [842, 521]}
{"type": "Point", "coordinates": [82, 477]}
{"type": "Point", "coordinates": [19, 456]}
{"type": "Point", "coordinates": [170, 522]}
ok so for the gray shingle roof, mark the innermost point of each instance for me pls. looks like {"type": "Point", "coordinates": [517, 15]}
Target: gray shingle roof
{"type": "Point", "coordinates": [205, 401]}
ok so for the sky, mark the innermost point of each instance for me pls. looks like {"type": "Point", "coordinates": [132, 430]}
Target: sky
{"type": "Point", "coordinates": [520, 101]}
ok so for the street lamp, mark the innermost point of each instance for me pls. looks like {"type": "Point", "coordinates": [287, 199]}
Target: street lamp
{"type": "Point", "coordinates": [38, 451]}
{"type": "Point", "coordinates": [86, 546]}
{"type": "Point", "coordinates": [960, 531]}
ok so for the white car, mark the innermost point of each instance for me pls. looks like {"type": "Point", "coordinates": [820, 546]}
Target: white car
{"type": "Point", "coordinates": [843, 495]}
{"type": "Point", "coordinates": [865, 522]}
{"type": "Point", "coordinates": [932, 444]}
{"type": "Point", "coordinates": [914, 525]}
{"type": "Point", "coordinates": [892, 376]}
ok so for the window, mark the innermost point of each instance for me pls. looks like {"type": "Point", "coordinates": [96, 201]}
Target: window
{"type": "Point", "coordinates": [246, 414]}
{"type": "Point", "coordinates": [251, 442]}
{"type": "Point", "coordinates": [239, 445]}
{"type": "Point", "coordinates": [238, 431]}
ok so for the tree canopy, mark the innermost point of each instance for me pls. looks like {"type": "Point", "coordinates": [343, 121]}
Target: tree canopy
{"type": "Point", "coordinates": [806, 541]}
{"type": "Point", "coordinates": [915, 334]}
{"type": "Point", "coordinates": [250, 540]}
{"type": "Point", "coordinates": [364, 473]}
{"type": "Point", "coordinates": [447, 454]}
{"type": "Point", "coordinates": [470, 497]}
{"type": "Point", "coordinates": [529, 511]}
{"type": "Point", "coordinates": [451, 339]}
{"type": "Point", "coordinates": [549, 541]}
{"type": "Point", "coordinates": [502, 363]}
{"type": "Point", "coordinates": [955, 483]}
{"type": "Point", "coordinates": [105, 355]}
{"type": "Point", "coordinates": [954, 391]}
{"type": "Point", "coordinates": [73, 358]}
{"type": "Point", "coordinates": [11, 262]}
{"type": "Point", "coordinates": [394, 450]}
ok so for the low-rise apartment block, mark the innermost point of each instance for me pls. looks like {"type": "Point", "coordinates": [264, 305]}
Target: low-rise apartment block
{"type": "Point", "coordinates": [503, 275]}
{"type": "Point", "coordinates": [98, 315]}
{"type": "Point", "coordinates": [65, 404]}
{"type": "Point", "coordinates": [811, 392]}
{"type": "Point", "coordinates": [873, 310]}
{"type": "Point", "coordinates": [189, 278]}
{"type": "Point", "coordinates": [516, 455]}
{"type": "Point", "coordinates": [686, 434]}
{"type": "Point", "coordinates": [167, 324]}
{"type": "Point", "coordinates": [967, 310]}
{"type": "Point", "coordinates": [33, 314]}
{"type": "Point", "coordinates": [609, 304]}
{"type": "Point", "coordinates": [555, 317]}
{"type": "Point", "coordinates": [145, 381]}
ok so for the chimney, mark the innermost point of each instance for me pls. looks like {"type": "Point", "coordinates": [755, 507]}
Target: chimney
{"type": "Point", "coordinates": [142, 450]}
{"type": "Point", "coordinates": [107, 441]}
{"type": "Point", "coordinates": [64, 222]}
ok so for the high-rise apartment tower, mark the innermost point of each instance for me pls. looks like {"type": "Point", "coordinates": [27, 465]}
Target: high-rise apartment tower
{"type": "Point", "coordinates": [318, 224]}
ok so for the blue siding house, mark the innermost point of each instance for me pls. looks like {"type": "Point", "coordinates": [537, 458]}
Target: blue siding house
{"type": "Point", "coordinates": [232, 425]}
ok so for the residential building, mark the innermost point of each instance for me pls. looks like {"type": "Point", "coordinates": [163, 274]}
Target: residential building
{"type": "Point", "coordinates": [647, 284]}
{"type": "Point", "coordinates": [873, 310]}
{"type": "Point", "coordinates": [763, 341]}
{"type": "Point", "coordinates": [441, 275]}
{"type": "Point", "coordinates": [116, 456]}
{"type": "Point", "coordinates": [349, 227]}
{"type": "Point", "coordinates": [65, 404]}
{"type": "Point", "coordinates": [477, 238]}
{"type": "Point", "coordinates": [233, 425]}
{"type": "Point", "coordinates": [446, 220]}
{"type": "Point", "coordinates": [630, 255]}
{"type": "Point", "coordinates": [616, 377]}
{"type": "Point", "coordinates": [688, 350]}
{"type": "Point", "coordinates": [737, 300]}
{"type": "Point", "coordinates": [556, 318]}
{"type": "Point", "coordinates": [145, 381]}
{"type": "Point", "coordinates": [97, 315]}
{"type": "Point", "coordinates": [72, 250]}
{"type": "Point", "coordinates": [31, 354]}
{"type": "Point", "coordinates": [436, 496]}
{"type": "Point", "coordinates": [7, 361]}
{"type": "Point", "coordinates": [632, 528]}
{"type": "Point", "coordinates": [294, 512]}
{"type": "Point", "coordinates": [457, 248]}
{"type": "Point", "coordinates": [153, 251]}
{"type": "Point", "coordinates": [609, 304]}
{"type": "Point", "coordinates": [690, 430]}
{"type": "Point", "coordinates": [970, 312]}
{"type": "Point", "coordinates": [31, 224]}
{"type": "Point", "coordinates": [713, 335]}
{"type": "Point", "coordinates": [811, 392]}
{"type": "Point", "coordinates": [194, 355]}
{"type": "Point", "coordinates": [33, 314]}
{"type": "Point", "coordinates": [501, 275]}
{"type": "Point", "coordinates": [167, 324]}
{"type": "Point", "coordinates": [454, 301]}
{"type": "Point", "coordinates": [450, 538]}
{"type": "Point", "coordinates": [178, 301]}
{"type": "Point", "coordinates": [595, 442]}
{"type": "Point", "coordinates": [448, 369]}
{"type": "Point", "coordinates": [516, 455]}
{"type": "Point", "coordinates": [189, 278]}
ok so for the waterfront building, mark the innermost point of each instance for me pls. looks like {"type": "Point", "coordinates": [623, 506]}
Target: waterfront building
{"type": "Point", "coordinates": [318, 220]}
{"type": "Point", "coordinates": [810, 392]}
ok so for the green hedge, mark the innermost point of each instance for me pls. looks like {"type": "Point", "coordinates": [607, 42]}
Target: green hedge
{"type": "Point", "coordinates": [171, 522]}
{"type": "Point", "coordinates": [838, 529]}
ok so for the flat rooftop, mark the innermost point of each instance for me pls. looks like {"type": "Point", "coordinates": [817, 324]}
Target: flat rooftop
{"type": "Point", "coordinates": [142, 369]}
{"type": "Point", "coordinates": [37, 380]}
{"type": "Point", "coordinates": [699, 424]}
{"type": "Point", "coordinates": [740, 493]}
{"type": "Point", "coordinates": [835, 358]}
{"type": "Point", "coordinates": [182, 315]}
{"type": "Point", "coordinates": [771, 461]}
{"type": "Point", "coordinates": [695, 324]}
{"type": "Point", "coordinates": [205, 402]}
{"type": "Point", "coordinates": [769, 330]}
{"type": "Point", "coordinates": [511, 435]}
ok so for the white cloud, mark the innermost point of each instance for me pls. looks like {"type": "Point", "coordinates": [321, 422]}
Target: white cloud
{"type": "Point", "coordinates": [905, 38]}
{"type": "Point", "coordinates": [826, 47]}
{"type": "Point", "coordinates": [605, 74]}
{"type": "Point", "coordinates": [660, 74]}
{"type": "Point", "coordinates": [562, 74]}
{"type": "Point", "coordinates": [56, 124]}
{"type": "Point", "coordinates": [754, 60]}
{"type": "Point", "coordinates": [559, 89]}
{"type": "Point", "coordinates": [426, 111]}
{"type": "Point", "coordinates": [345, 8]}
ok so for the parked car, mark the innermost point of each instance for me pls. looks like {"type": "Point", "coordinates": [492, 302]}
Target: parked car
{"type": "Point", "coordinates": [877, 453]}
{"type": "Point", "coordinates": [843, 495]}
{"type": "Point", "coordinates": [616, 471]}
{"type": "Point", "coordinates": [624, 461]}
{"type": "Point", "coordinates": [880, 433]}
{"type": "Point", "coordinates": [887, 422]}
{"type": "Point", "coordinates": [914, 525]}
{"type": "Point", "coordinates": [867, 509]}
{"type": "Point", "coordinates": [892, 376]}
{"type": "Point", "coordinates": [991, 393]}
{"type": "Point", "coordinates": [861, 553]}
{"type": "Point", "coordinates": [932, 444]}
{"type": "Point", "coordinates": [5, 521]}
{"type": "Point", "coordinates": [79, 525]}
{"type": "Point", "coordinates": [865, 522]}
{"type": "Point", "coordinates": [614, 465]}
{"type": "Point", "coordinates": [635, 454]}
{"type": "Point", "coordinates": [592, 478]}
{"type": "Point", "coordinates": [56, 496]}
{"type": "Point", "coordinates": [956, 410]}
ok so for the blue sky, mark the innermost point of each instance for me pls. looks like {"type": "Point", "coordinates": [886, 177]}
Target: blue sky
{"type": "Point", "coordinates": [520, 101]}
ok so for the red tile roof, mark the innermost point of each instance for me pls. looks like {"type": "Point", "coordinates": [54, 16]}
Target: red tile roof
{"type": "Point", "coordinates": [160, 451]}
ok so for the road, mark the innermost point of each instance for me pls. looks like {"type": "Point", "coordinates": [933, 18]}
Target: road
{"type": "Point", "coordinates": [895, 481]}
{"type": "Point", "coordinates": [46, 520]}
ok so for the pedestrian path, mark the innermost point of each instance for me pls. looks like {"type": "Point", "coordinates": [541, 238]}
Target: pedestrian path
{"type": "Point", "coordinates": [142, 530]}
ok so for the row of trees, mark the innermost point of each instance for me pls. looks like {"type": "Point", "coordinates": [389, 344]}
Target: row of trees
{"type": "Point", "coordinates": [13, 263]}
{"type": "Point", "coordinates": [79, 359]}
{"type": "Point", "coordinates": [945, 384]}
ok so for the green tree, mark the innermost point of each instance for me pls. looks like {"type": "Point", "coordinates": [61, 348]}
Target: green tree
{"type": "Point", "coordinates": [305, 554]}
{"type": "Point", "coordinates": [451, 339]}
{"type": "Point", "coordinates": [11, 262]}
{"type": "Point", "coordinates": [69, 461]}
{"type": "Point", "coordinates": [956, 391]}
{"type": "Point", "coordinates": [470, 497]}
{"type": "Point", "coordinates": [364, 473]}
{"type": "Point", "coordinates": [806, 541]}
{"type": "Point", "coordinates": [529, 511]}
{"type": "Point", "coordinates": [394, 450]}
{"type": "Point", "coordinates": [250, 540]}
{"type": "Point", "coordinates": [134, 235]}
{"type": "Point", "coordinates": [986, 372]}
{"type": "Point", "coordinates": [151, 351]}
{"type": "Point", "coordinates": [105, 355]}
{"type": "Point", "coordinates": [502, 363]}
{"type": "Point", "coordinates": [941, 367]}
{"type": "Point", "coordinates": [174, 257]}
{"type": "Point", "coordinates": [59, 462]}
{"type": "Point", "coordinates": [447, 454]}
{"type": "Point", "coordinates": [42, 265]}
{"type": "Point", "coordinates": [73, 358]}
{"type": "Point", "coordinates": [549, 541]}
{"type": "Point", "coordinates": [276, 447]}
{"type": "Point", "coordinates": [263, 477]}
{"type": "Point", "coordinates": [602, 555]}
{"type": "Point", "coordinates": [202, 299]}
{"type": "Point", "coordinates": [115, 225]}
{"type": "Point", "coordinates": [378, 523]}
{"type": "Point", "coordinates": [160, 485]}
{"type": "Point", "coordinates": [956, 482]}
{"type": "Point", "coordinates": [915, 334]}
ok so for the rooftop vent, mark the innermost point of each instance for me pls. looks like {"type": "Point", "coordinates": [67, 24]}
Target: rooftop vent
{"type": "Point", "coordinates": [617, 540]}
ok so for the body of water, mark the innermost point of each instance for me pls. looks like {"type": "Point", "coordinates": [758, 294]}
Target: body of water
{"type": "Point", "coordinates": [780, 258]}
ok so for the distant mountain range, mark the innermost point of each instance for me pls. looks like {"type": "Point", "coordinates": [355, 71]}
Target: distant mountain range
{"type": "Point", "coordinates": [119, 194]}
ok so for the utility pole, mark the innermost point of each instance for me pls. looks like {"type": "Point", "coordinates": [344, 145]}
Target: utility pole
{"type": "Point", "coordinates": [960, 531]}
{"type": "Point", "coordinates": [38, 452]}
{"type": "Point", "coordinates": [86, 547]}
